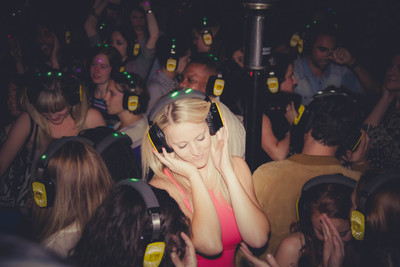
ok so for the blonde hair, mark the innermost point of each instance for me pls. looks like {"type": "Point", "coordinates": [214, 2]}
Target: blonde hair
{"type": "Point", "coordinates": [51, 98]}
{"type": "Point", "coordinates": [189, 110]}
{"type": "Point", "coordinates": [81, 180]}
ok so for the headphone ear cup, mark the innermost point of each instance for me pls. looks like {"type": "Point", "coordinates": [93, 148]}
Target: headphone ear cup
{"type": "Point", "coordinates": [154, 254]}
{"type": "Point", "coordinates": [207, 37]}
{"type": "Point", "coordinates": [273, 84]}
{"type": "Point", "coordinates": [214, 119]}
{"type": "Point", "coordinates": [131, 102]}
{"type": "Point", "coordinates": [215, 85]}
{"type": "Point", "coordinates": [157, 139]}
{"type": "Point", "coordinates": [43, 193]}
{"type": "Point", "coordinates": [171, 64]}
{"type": "Point", "coordinates": [357, 220]}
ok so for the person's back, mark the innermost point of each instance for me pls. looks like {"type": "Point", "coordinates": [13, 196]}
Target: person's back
{"type": "Point", "coordinates": [278, 184]}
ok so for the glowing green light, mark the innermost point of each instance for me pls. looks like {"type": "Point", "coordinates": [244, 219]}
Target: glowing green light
{"type": "Point", "coordinates": [59, 74]}
{"type": "Point", "coordinates": [49, 73]}
{"type": "Point", "coordinates": [123, 133]}
{"type": "Point", "coordinates": [115, 134]}
{"type": "Point", "coordinates": [44, 156]}
{"type": "Point", "coordinates": [134, 179]}
{"type": "Point", "coordinates": [307, 26]}
{"type": "Point", "coordinates": [173, 40]}
{"type": "Point", "coordinates": [211, 55]}
{"type": "Point", "coordinates": [187, 91]}
{"type": "Point", "coordinates": [215, 58]}
{"type": "Point", "coordinates": [315, 22]}
{"type": "Point", "coordinates": [173, 46]}
{"type": "Point", "coordinates": [98, 45]}
{"type": "Point", "coordinates": [39, 74]}
{"type": "Point", "coordinates": [128, 76]}
{"type": "Point", "coordinates": [131, 82]}
{"type": "Point", "coordinates": [174, 94]}
{"type": "Point", "coordinates": [125, 72]}
{"type": "Point", "coordinates": [106, 45]}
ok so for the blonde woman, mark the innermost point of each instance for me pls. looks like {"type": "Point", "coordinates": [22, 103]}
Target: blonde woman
{"type": "Point", "coordinates": [76, 181]}
{"type": "Point", "coordinates": [57, 106]}
{"type": "Point", "coordinates": [212, 188]}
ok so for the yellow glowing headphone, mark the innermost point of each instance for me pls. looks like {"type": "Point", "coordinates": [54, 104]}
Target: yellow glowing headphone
{"type": "Point", "coordinates": [358, 215]}
{"type": "Point", "coordinates": [155, 248]}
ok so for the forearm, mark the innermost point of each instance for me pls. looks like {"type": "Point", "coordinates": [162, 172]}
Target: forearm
{"type": "Point", "coordinates": [370, 85]}
{"type": "Point", "coordinates": [153, 29]}
{"type": "Point", "coordinates": [206, 229]}
{"type": "Point", "coordinates": [278, 150]}
{"type": "Point", "coordinates": [94, 14]}
{"type": "Point", "coordinates": [252, 222]}
{"type": "Point", "coordinates": [375, 117]}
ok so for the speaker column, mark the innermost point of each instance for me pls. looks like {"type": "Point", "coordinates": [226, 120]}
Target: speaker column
{"type": "Point", "coordinates": [255, 12]}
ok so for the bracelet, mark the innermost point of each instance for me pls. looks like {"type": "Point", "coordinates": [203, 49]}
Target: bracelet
{"type": "Point", "coordinates": [149, 11]}
{"type": "Point", "coordinates": [97, 16]}
{"type": "Point", "coordinates": [355, 64]}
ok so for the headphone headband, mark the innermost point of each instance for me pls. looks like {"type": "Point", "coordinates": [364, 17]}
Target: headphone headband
{"type": "Point", "coordinates": [338, 179]}
{"type": "Point", "coordinates": [172, 97]}
{"type": "Point", "coordinates": [151, 201]}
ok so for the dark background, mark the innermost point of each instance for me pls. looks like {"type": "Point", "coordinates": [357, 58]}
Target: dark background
{"type": "Point", "coordinates": [370, 28]}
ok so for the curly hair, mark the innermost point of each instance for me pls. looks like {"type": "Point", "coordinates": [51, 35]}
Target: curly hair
{"type": "Point", "coordinates": [334, 116]}
{"type": "Point", "coordinates": [113, 237]}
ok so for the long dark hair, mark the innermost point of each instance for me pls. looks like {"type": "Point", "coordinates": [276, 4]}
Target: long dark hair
{"type": "Point", "coordinates": [333, 200]}
{"type": "Point", "coordinates": [113, 236]}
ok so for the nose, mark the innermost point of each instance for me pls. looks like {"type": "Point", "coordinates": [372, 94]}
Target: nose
{"type": "Point", "coordinates": [194, 150]}
{"type": "Point", "coordinates": [184, 83]}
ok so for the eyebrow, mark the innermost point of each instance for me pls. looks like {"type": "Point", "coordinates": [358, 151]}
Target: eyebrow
{"type": "Point", "coordinates": [202, 133]}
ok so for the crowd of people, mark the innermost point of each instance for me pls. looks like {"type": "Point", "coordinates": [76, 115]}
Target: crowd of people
{"type": "Point", "coordinates": [129, 148]}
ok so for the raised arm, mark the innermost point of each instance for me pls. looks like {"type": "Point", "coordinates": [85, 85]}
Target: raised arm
{"type": "Point", "coordinates": [15, 140]}
{"type": "Point", "coordinates": [252, 223]}
{"type": "Point", "coordinates": [276, 149]}
{"type": "Point", "coordinates": [93, 17]}
{"type": "Point", "coordinates": [377, 113]}
{"type": "Point", "coordinates": [152, 25]}
{"type": "Point", "coordinates": [342, 56]}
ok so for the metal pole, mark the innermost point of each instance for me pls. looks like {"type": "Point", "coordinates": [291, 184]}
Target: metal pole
{"type": "Point", "coordinates": [253, 44]}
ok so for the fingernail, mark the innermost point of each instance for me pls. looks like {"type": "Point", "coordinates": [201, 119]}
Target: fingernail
{"type": "Point", "coordinates": [173, 255]}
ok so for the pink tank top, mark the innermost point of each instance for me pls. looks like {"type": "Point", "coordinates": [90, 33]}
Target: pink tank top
{"type": "Point", "coordinates": [230, 233]}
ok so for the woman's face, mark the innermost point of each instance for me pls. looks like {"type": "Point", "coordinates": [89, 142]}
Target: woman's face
{"type": "Point", "coordinates": [392, 80]}
{"type": "Point", "coordinates": [342, 226]}
{"type": "Point", "coordinates": [191, 142]}
{"type": "Point", "coordinates": [113, 99]}
{"type": "Point", "coordinates": [58, 117]}
{"type": "Point", "coordinates": [119, 42]}
{"type": "Point", "coordinates": [290, 81]}
{"type": "Point", "coordinates": [100, 69]}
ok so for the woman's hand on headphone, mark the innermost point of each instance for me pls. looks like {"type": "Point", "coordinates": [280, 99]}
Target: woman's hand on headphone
{"type": "Point", "coordinates": [174, 163]}
{"type": "Point", "coordinates": [220, 151]}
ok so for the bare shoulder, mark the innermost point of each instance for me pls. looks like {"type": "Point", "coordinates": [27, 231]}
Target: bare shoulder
{"type": "Point", "coordinates": [289, 250]}
{"type": "Point", "coordinates": [94, 118]}
{"type": "Point", "coordinates": [173, 191]}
